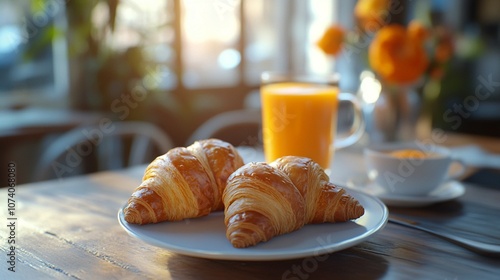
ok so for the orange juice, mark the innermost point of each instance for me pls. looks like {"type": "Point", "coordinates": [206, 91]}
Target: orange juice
{"type": "Point", "coordinates": [412, 154]}
{"type": "Point", "coordinates": [299, 119]}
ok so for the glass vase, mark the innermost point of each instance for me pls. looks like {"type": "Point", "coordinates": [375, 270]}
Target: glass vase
{"type": "Point", "coordinates": [395, 114]}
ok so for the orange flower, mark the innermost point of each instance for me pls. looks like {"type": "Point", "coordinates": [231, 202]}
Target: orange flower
{"type": "Point", "coordinates": [371, 14]}
{"type": "Point", "coordinates": [332, 40]}
{"type": "Point", "coordinates": [397, 56]}
{"type": "Point", "coordinates": [437, 72]}
{"type": "Point", "coordinates": [444, 50]}
{"type": "Point", "coordinates": [417, 31]}
{"type": "Point", "coordinates": [444, 47]}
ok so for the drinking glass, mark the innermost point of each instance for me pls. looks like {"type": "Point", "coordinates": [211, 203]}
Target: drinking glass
{"type": "Point", "coordinates": [300, 114]}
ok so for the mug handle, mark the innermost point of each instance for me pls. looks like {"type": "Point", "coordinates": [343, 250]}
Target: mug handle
{"type": "Point", "coordinates": [358, 126]}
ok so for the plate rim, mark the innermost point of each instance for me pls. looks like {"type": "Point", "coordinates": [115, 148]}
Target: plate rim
{"type": "Point", "coordinates": [271, 255]}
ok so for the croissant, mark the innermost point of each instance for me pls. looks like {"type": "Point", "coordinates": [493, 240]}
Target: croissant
{"type": "Point", "coordinates": [183, 183]}
{"type": "Point", "coordinates": [266, 200]}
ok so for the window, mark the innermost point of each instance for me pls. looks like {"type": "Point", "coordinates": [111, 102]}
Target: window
{"type": "Point", "coordinates": [30, 72]}
{"type": "Point", "coordinates": [225, 44]}
{"type": "Point", "coordinates": [215, 48]}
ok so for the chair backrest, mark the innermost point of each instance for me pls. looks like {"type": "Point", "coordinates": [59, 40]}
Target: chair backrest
{"type": "Point", "coordinates": [101, 147]}
{"type": "Point", "coordinates": [239, 127]}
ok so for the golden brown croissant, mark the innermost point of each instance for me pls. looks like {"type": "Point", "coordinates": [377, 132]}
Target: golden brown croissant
{"type": "Point", "coordinates": [183, 183]}
{"type": "Point", "coordinates": [265, 200]}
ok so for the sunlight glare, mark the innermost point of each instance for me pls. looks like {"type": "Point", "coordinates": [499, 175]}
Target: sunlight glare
{"type": "Point", "coordinates": [229, 59]}
{"type": "Point", "coordinates": [370, 89]}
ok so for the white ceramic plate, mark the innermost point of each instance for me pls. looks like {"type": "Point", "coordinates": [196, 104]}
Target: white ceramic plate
{"type": "Point", "coordinates": [447, 191]}
{"type": "Point", "coordinates": [205, 237]}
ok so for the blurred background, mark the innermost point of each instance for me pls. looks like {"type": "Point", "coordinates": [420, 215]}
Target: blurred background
{"type": "Point", "coordinates": [176, 64]}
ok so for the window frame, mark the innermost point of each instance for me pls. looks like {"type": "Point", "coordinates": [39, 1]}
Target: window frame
{"type": "Point", "coordinates": [54, 93]}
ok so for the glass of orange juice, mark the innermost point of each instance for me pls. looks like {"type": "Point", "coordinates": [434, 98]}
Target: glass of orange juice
{"type": "Point", "coordinates": [299, 116]}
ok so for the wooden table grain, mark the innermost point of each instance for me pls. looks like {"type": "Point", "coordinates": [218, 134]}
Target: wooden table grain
{"type": "Point", "coordinates": [68, 229]}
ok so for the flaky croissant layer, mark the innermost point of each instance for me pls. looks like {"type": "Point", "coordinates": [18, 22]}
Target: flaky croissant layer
{"type": "Point", "coordinates": [183, 183]}
{"type": "Point", "coordinates": [266, 200]}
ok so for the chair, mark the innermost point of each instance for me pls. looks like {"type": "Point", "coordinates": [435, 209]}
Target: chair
{"type": "Point", "coordinates": [101, 147]}
{"type": "Point", "coordinates": [239, 127]}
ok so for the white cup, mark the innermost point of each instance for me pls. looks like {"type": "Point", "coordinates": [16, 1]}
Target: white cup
{"type": "Point", "coordinates": [407, 174]}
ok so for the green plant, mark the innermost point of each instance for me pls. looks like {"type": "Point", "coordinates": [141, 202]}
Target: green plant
{"type": "Point", "coordinates": [100, 73]}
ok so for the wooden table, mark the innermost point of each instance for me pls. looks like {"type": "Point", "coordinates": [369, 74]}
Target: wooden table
{"type": "Point", "coordinates": [68, 229]}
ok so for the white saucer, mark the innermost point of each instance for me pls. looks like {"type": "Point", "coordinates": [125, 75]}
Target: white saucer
{"type": "Point", "coordinates": [446, 191]}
